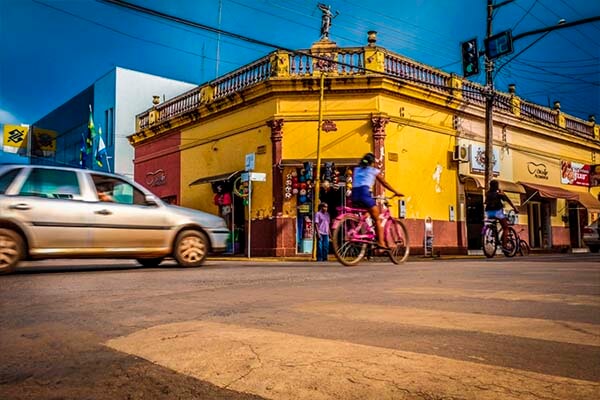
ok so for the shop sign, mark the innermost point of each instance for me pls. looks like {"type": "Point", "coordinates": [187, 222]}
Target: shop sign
{"type": "Point", "coordinates": [304, 208]}
{"type": "Point", "coordinates": [572, 173]}
{"type": "Point", "coordinates": [258, 176]}
{"type": "Point", "coordinates": [538, 170]}
{"type": "Point", "coordinates": [478, 160]}
{"type": "Point", "coordinates": [156, 178]}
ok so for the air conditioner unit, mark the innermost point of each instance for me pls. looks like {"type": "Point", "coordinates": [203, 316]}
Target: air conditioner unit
{"type": "Point", "coordinates": [460, 153]}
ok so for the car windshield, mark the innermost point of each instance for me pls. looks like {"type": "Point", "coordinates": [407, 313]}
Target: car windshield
{"type": "Point", "coordinates": [7, 178]}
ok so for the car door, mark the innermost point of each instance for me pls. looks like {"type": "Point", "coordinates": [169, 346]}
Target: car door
{"type": "Point", "coordinates": [123, 222]}
{"type": "Point", "coordinates": [51, 204]}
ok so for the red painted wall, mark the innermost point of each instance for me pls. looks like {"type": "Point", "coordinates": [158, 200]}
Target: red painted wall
{"type": "Point", "coordinates": [157, 166]}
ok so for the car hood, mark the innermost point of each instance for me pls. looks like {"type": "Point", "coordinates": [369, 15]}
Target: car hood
{"type": "Point", "coordinates": [205, 219]}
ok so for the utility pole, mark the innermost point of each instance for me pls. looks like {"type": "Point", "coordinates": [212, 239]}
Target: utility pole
{"type": "Point", "coordinates": [489, 104]}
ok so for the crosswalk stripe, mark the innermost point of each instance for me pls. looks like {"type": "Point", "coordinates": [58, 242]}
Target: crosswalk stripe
{"type": "Point", "coordinates": [279, 365]}
{"type": "Point", "coordinates": [559, 331]}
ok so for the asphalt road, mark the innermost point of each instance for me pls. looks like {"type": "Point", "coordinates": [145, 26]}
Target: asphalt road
{"type": "Point", "coordinates": [522, 328]}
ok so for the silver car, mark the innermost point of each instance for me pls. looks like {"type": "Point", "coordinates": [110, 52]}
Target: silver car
{"type": "Point", "coordinates": [56, 212]}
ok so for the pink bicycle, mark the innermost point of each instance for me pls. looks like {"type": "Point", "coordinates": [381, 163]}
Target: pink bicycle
{"type": "Point", "coordinates": [354, 233]}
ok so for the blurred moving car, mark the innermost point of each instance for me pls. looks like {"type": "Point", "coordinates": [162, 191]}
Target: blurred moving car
{"type": "Point", "coordinates": [58, 212]}
{"type": "Point", "coordinates": [591, 236]}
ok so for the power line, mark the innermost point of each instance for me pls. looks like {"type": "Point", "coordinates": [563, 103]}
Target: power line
{"type": "Point", "coordinates": [524, 15]}
{"type": "Point", "coordinates": [576, 28]}
{"type": "Point", "coordinates": [563, 36]}
{"type": "Point", "coordinates": [124, 33]}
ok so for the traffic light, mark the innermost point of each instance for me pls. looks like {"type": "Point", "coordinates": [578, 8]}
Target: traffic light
{"type": "Point", "coordinates": [470, 58]}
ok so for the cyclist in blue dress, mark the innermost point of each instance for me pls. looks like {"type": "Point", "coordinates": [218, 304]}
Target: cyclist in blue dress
{"type": "Point", "coordinates": [363, 179]}
{"type": "Point", "coordinates": [494, 207]}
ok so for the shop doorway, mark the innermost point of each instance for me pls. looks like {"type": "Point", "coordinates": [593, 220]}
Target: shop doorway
{"type": "Point", "coordinates": [475, 214]}
{"type": "Point", "coordinates": [232, 209]}
{"type": "Point", "coordinates": [540, 234]}
{"type": "Point", "coordinates": [577, 218]}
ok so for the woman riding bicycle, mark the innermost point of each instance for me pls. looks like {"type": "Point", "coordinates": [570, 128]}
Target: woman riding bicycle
{"type": "Point", "coordinates": [363, 179]}
{"type": "Point", "coordinates": [494, 207]}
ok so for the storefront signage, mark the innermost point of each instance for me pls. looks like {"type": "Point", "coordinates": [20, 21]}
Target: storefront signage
{"type": "Point", "coordinates": [538, 170]}
{"type": "Point", "coordinates": [478, 160]}
{"type": "Point", "coordinates": [258, 176]}
{"type": "Point", "coordinates": [156, 178]}
{"type": "Point", "coordinates": [572, 173]}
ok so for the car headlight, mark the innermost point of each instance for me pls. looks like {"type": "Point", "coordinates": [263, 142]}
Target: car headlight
{"type": "Point", "coordinates": [221, 224]}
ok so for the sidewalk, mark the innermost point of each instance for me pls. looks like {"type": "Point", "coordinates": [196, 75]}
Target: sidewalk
{"type": "Point", "coordinates": [242, 258]}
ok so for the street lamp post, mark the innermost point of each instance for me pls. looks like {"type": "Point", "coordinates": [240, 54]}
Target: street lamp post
{"type": "Point", "coordinates": [317, 177]}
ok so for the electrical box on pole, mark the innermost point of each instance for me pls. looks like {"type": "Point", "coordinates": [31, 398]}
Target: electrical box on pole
{"type": "Point", "coordinates": [498, 45]}
{"type": "Point", "coordinates": [470, 57]}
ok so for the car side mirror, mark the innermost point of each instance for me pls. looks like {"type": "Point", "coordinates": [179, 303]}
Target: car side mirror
{"type": "Point", "coordinates": [151, 200]}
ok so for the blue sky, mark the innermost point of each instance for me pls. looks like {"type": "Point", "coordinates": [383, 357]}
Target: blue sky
{"type": "Point", "coordinates": [50, 50]}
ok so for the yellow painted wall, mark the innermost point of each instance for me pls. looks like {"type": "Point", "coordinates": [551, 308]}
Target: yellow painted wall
{"type": "Point", "coordinates": [227, 141]}
{"type": "Point", "coordinates": [422, 172]}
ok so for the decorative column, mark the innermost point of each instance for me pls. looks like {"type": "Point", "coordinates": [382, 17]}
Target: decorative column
{"type": "Point", "coordinates": [379, 123]}
{"type": "Point", "coordinates": [276, 126]}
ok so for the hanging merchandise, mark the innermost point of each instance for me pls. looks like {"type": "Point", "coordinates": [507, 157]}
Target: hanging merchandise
{"type": "Point", "coordinates": [302, 197]}
{"type": "Point", "coordinates": [336, 176]}
{"type": "Point", "coordinates": [308, 168]}
{"type": "Point", "coordinates": [308, 228]}
{"type": "Point", "coordinates": [288, 186]}
{"type": "Point", "coordinates": [348, 182]}
{"type": "Point", "coordinates": [328, 173]}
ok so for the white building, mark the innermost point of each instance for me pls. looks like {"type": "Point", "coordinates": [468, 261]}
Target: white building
{"type": "Point", "coordinates": [116, 98]}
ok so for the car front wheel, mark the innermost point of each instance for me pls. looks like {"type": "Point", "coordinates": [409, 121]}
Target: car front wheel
{"type": "Point", "coordinates": [191, 248]}
{"type": "Point", "coordinates": [11, 250]}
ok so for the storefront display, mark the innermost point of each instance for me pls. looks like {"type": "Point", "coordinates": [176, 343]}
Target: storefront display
{"type": "Point", "coordinates": [299, 194]}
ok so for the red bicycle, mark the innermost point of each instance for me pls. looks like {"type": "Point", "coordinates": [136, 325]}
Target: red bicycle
{"type": "Point", "coordinates": [354, 233]}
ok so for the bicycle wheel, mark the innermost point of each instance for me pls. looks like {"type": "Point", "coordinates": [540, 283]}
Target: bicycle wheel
{"type": "Point", "coordinates": [488, 237]}
{"type": "Point", "coordinates": [511, 242]}
{"type": "Point", "coordinates": [396, 237]}
{"type": "Point", "coordinates": [346, 250]}
{"type": "Point", "coordinates": [523, 248]}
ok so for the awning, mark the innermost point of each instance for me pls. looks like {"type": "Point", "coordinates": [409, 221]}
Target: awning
{"type": "Point", "coordinates": [215, 178]}
{"type": "Point", "coordinates": [505, 186]}
{"type": "Point", "coordinates": [590, 202]}
{"type": "Point", "coordinates": [338, 161]}
{"type": "Point", "coordinates": [551, 192]}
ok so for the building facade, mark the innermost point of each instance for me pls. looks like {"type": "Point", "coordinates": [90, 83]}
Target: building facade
{"type": "Point", "coordinates": [425, 127]}
{"type": "Point", "coordinates": [115, 99]}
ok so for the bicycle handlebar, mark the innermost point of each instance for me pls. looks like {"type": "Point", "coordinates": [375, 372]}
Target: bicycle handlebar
{"type": "Point", "coordinates": [388, 198]}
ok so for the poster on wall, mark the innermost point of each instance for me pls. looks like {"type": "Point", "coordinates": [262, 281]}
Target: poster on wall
{"type": "Point", "coordinates": [478, 160]}
{"type": "Point", "coordinates": [572, 173]}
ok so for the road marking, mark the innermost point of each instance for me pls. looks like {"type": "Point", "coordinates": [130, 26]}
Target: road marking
{"type": "Point", "coordinates": [559, 331]}
{"type": "Point", "coordinates": [502, 295]}
{"type": "Point", "coordinates": [278, 366]}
